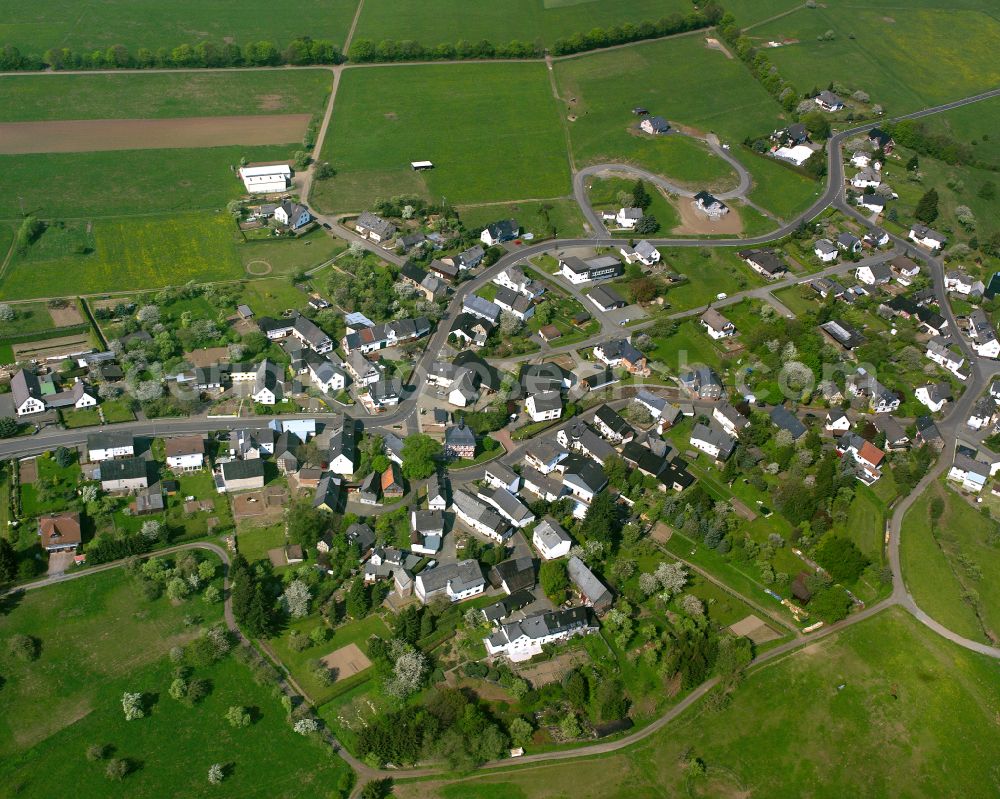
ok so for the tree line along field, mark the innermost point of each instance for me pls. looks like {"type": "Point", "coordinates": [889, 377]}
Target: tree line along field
{"type": "Point", "coordinates": [33, 97]}
{"type": "Point", "coordinates": [153, 24]}
{"type": "Point", "coordinates": [491, 129]}
{"type": "Point", "coordinates": [98, 637]}
{"type": "Point", "coordinates": [434, 22]}
{"type": "Point", "coordinates": [976, 125]}
{"type": "Point", "coordinates": [883, 704]}
{"type": "Point", "coordinates": [905, 57]}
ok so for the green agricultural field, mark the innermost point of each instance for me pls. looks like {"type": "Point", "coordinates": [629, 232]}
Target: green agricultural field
{"type": "Point", "coordinates": [126, 182]}
{"type": "Point", "coordinates": [151, 24]}
{"type": "Point", "coordinates": [25, 98]}
{"type": "Point", "coordinates": [98, 638]}
{"type": "Point", "coordinates": [873, 49]}
{"type": "Point", "coordinates": [539, 217]}
{"type": "Point", "coordinates": [680, 79]}
{"type": "Point", "coordinates": [750, 12]}
{"type": "Point", "coordinates": [507, 146]}
{"type": "Point", "coordinates": [603, 194]}
{"type": "Point", "coordinates": [951, 566]}
{"type": "Point", "coordinates": [438, 21]}
{"type": "Point", "coordinates": [132, 253]}
{"type": "Point", "coordinates": [887, 686]}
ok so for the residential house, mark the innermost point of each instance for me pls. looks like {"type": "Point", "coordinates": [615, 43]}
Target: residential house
{"type": "Point", "coordinates": [499, 232]}
{"type": "Point", "coordinates": [593, 592]}
{"type": "Point", "coordinates": [471, 329]}
{"type": "Point", "coordinates": [765, 262]}
{"type": "Point", "coordinates": [624, 218]}
{"type": "Point", "coordinates": [514, 303]}
{"type": "Point", "coordinates": [880, 398]}
{"type": "Point", "coordinates": [875, 237]}
{"type": "Point", "coordinates": [934, 395]}
{"type": "Point", "coordinates": [960, 282]}
{"type": "Point", "coordinates": [344, 449]}
{"type": "Point", "coordinates": [546, 488]}
{"type": "Point", "coordinates": [446, 269]}
{"type": "Point", "coordinates": [881, 140]}
{"type": "Point", "coordinates": [928, 433]}
{"type": "Point", "coordinates": [513, 278]}
{"type": "Point", "coordinates": [784, 419]}
{"type": "Point", "coordinates": [731, 420]}
{"type": "Point", "coordinates": [903, 267]}
{"type": "Point", "coordinates": [30, 397]}
{"type": "Point", "coordinates": [361, 370]}
{"type": "Point", "coordinates": [460, 442]}
{"type": "Point", "coordinates": [584, 479]}
{"type": "Point", "coordinates": [185, 453]}
{"type": "Point", "coordinates": [606, 298]}
{"type": "Point", "coordinates": [124, 474]}
{"type": "Point", "coordinates": [969, 472]}
{"type": "Point", "coordinates": [866, 456]}
{"type": "Point", "coordinates": [703, 383]}
{"type": "Point", "coordinates": [896, 438]}
{"type": "Point", "coordinates": [499, 475]}
{"type": "Point", "coordinates": [843, 334]}
{"type": "Point", "coordinates": [925, 237]}
{"type": "Point", "coordinates": [578, 437]}
{"type": "Point", "coordinates": [717, 325]}
{"type": "Point", "coordinates": [269, 386]}
{"type": "Point", "coordinates": [620, 352]}
{"type": "Point", "coordinates": [59, 532]}
{"type": "Point", "coordinates": [947, 355]}
{"type": "Point", "coordinates": [426, 531]}
{"type": "Point", "coordinates": [873, 274]}
{"type": "Point", "coordinates": [242, 475]}
{"type": "Point", "coordinates": [268, 179]}
{"type": "Point", "coordinates": [544, 456]}
{"type": "Point", "coordinates": [385, 392]}
{"type": "Point", "coordinates": [508, 506]}
{"type": "Point", "coordinates": [522, 640]}
{"type": "Point", "coordinates": [643, 253]}
{"type": "Point", "coordinates": [544, 406]}
{"type": "Point", "coordinates": [867, 178]}
{"type": "Point", "coordinates": [828, 101]}
{"type": "Point", "coordinates": [837, 422]}
{"type": "Point", "coordinates": [108, 444]}
{"type": "Point", "coordinates": [374, 228]}
{"type": "Point", "coordinates": [612, 425]}
{"type": "Point", "coordinates": [481, 517]}
{"type": "Point", "coordinates": [470, 258]}
{"type": "Point", "coordinates": [872, 202]}
{"type": "Point", "coordinates": [437, 494]}
{"type": "Point", "coordinates": [327, 496]}
{"type": "Point", "coordinates": [713, 441]}
{"type": "Point", "coordinates": [368, 491]}
{"type": "Point", "coordinates": [292, 215]}
{"type": "Point", "coordinates": [982, 334]}
{"type": "Point", "coordinates": [654, 126]}
{"type": "Point", "coordinates": [576, 270]}
{"type": "Point", "coordinates": [457, 580]}
{"type": "Point", "coordinates": [286, 450]}
{"type": "Point", "coordinates": [481, 308]}
{"type": "Point", "coordinates": [794, 134]}
{"type": "Point", "coordinates": [550, 539]}
{"type": "Point", "coordinates": [327, 376]}
{"type": "Point", "coordinates": [713, 207]}
{"type": "Point", "coordinates": [825, 250]}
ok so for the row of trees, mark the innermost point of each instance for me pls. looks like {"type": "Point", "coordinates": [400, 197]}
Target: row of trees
{"type": "Point", "coordinates": [708, 15]}
{"type": "Point", "coordinates": [915, 135]}
{"type": "Point", "coordinates": [302, 51]}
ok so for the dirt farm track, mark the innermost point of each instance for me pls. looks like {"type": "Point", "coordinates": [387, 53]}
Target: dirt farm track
{"type": "Point", "coordinates": [90, 135]}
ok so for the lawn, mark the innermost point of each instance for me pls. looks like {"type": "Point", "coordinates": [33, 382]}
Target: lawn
{"type": "Point", "coordinates": [151, 24]}
{"type": "Point", "coordinates": [117, 410]}
{"type": "Point", "coordinates": [438, 21]}
{"type": "Point", "coordinates": [558, 218]}
{"type": "Point", "coordinates": [710, 272]}
{"type": "Point", "coordinates": [351, 632]}
{"type": "Point", "coordinates": [951, 567]}
{"type": "Point", "coordinates": [974, 124]}
{"type": "Point", "coordinates": [271, 296]}
{"type": "Point", "coordinates": [84, 417]}
{"type": "Point", "coordinates": [510, 147]}
{"type": "Point", "coordinates": [255, 541]}
{"type": "Point", "coordinates": [812, 721]}
{"type": "Point", "coordinates": [689, 345]}
{"type": "Point", "coordinates": [680, 79]}
{"type": "Point", "coordinates": [796, 299]}
{"type": "Point", "coordinates": [782, 191]}
{"type": "Point", "coordinates": [32, 317]}
{"type": "Point", "coordinates": [35, 500]}
{"type": "Point", "coordinates": [865, 524]}
{"type": "Point", "coordinates": [127, 182]}
{"type": "Point", "coordinates": [603, 194]}
{"type": "Point", "coordinates": [151, 95]}
{"type": "Point", "coordinates": [288, 256]}
{"type": "Point", "coordinates": [100, 637]}
{"type": "Point", "coordinates": [133, 253]}
{"type": "Point", "coordinates": [874, 49]}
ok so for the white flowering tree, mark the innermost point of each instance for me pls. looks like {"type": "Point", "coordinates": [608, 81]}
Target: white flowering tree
{"type": "Point", "coordinates": [305, 726]}
{"type": "Point", "coordinates": [216, 774]}
{"type": "Point", "coordinates": [151, 529]}
{"type": "Point", "coordinates": [407, 673]}
{"type": "Point", "coordinates": [692, 606]}
{"type": "Point", "coordinates": [672, 577]}
{"type": "Point", "coordinates": [295, 599]}
{"type": "Point", "coordinates": [132, 706]}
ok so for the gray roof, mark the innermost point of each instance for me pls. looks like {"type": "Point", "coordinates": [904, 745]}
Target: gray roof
{"type": "Point", "coordinates": [551, 533]}
{"type": "Point", "coordinates": [510, 505]}
{"type": "Point", "coordinates": [606, 297]}
{"type": "Point", "coordinates": [242, 470]}
{"type": "Point", "coordinates": [478, 305]}
{"type": "Point", "coordinates": [123, 469]}
{"type": "Point", "coordinates": [110, 439]}
{"type": "Point", "coordinates": [459, 435]}
{"type": "Point", "coordinates": [547, 401]}
{"type": "Point", "coordinates": [361, 534]}
{"type": "Point", "coordinates": [585, 581]}
{"type": "Point", "coordinates": [376, 224]}
{"type": "Point", "coordinates": [25, 384]}
{"type": "Point", "coordinates": [787, 420]}
{"type": "Point", "coordinates": [328, 492]}
{"type": "Point", "coordinates": [461, 574]}
{"type": "Point", "coordinates": [715, 436]}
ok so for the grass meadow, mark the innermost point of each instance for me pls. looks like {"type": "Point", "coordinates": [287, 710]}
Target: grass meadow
{"type": "Point", "coordinates": [805, 725]}
{"type": "Point", "coordinates": [152, 24]}
{"type": "Point", "coordinates": [975, 124]}
{"type": "Point", "coordinates": [435, 21]}
{"type": "Point", "coordinates": [132, 253]}
{"type": "Point", "coordinates": [905, 57]}
{"type": "Point", "coordinates": [948, 562]}
{"type": "Point", "coordinates": [680, 79]}
{"type": "Point", "coordinates": [534, 217]}
{"type": "Point", "coordinates": [491, 130]}
{"type": "Point", "coordinates": [288, 256]}
{"type": "Point", "coordinates": [116, 183]}
{"type": "Point", "coordinates": [155, 95]}
{"type": "Point", "coordinates": [98, 638]}
{"type": "Point", "coordinates": [603, 195]}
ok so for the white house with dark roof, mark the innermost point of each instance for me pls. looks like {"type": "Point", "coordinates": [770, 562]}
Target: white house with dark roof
{"type": "Point", "coordinates": [873, 274]}
{"type": "Point", "coordinates": [643, 253]}
{"type": "Point", "coordinates": [514, 303]}
{"type": "Point", "coordinates": [826, 251]}
{"type": "Point", "coordinates": [764, 262]}
{"type": "Point", "coordinates": [105, 445]}
{"type": "Point", "coordinates": [482, 308]}
{"type": "Point", "coordinates": [499, 232]}
{"type": "Point", "coordinates": [577, 270]}
{"type": "Point", "coordinates": [713, 441]}
{"type": "Point", "coordinates": [654, 125]}
{"type": "Point", "coordinates": [550, 539]}
{"type": "Point", "coordinates": [717, 325]}
{"type": "Point", "coordinates": [374, 227]}
{"type": "Point", "coordinates": [479, 516]}
{"type": "Point", "coordinates": [731, 420]}
{"type": "Point", "coordinates": [606, 298]}
{"type": "Point", "coordinates": [513, 278]}
{"type": "Point", "coordinates": [292, 215]}
{"type": "Point", "coordinates": [544, 406]}
{"type": "Point", "coordinates": [828, 101]}
{"type": "Point", "coordinates": [926, 237]}
{"type": "Point", "coordinates": [327, 376]}
{"type": "Point", "coordinates": [710, 205]}
{"type": "Point", "coordinates": [522, 640]}
{"type": "Point", "coordinates": [457, 580]}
